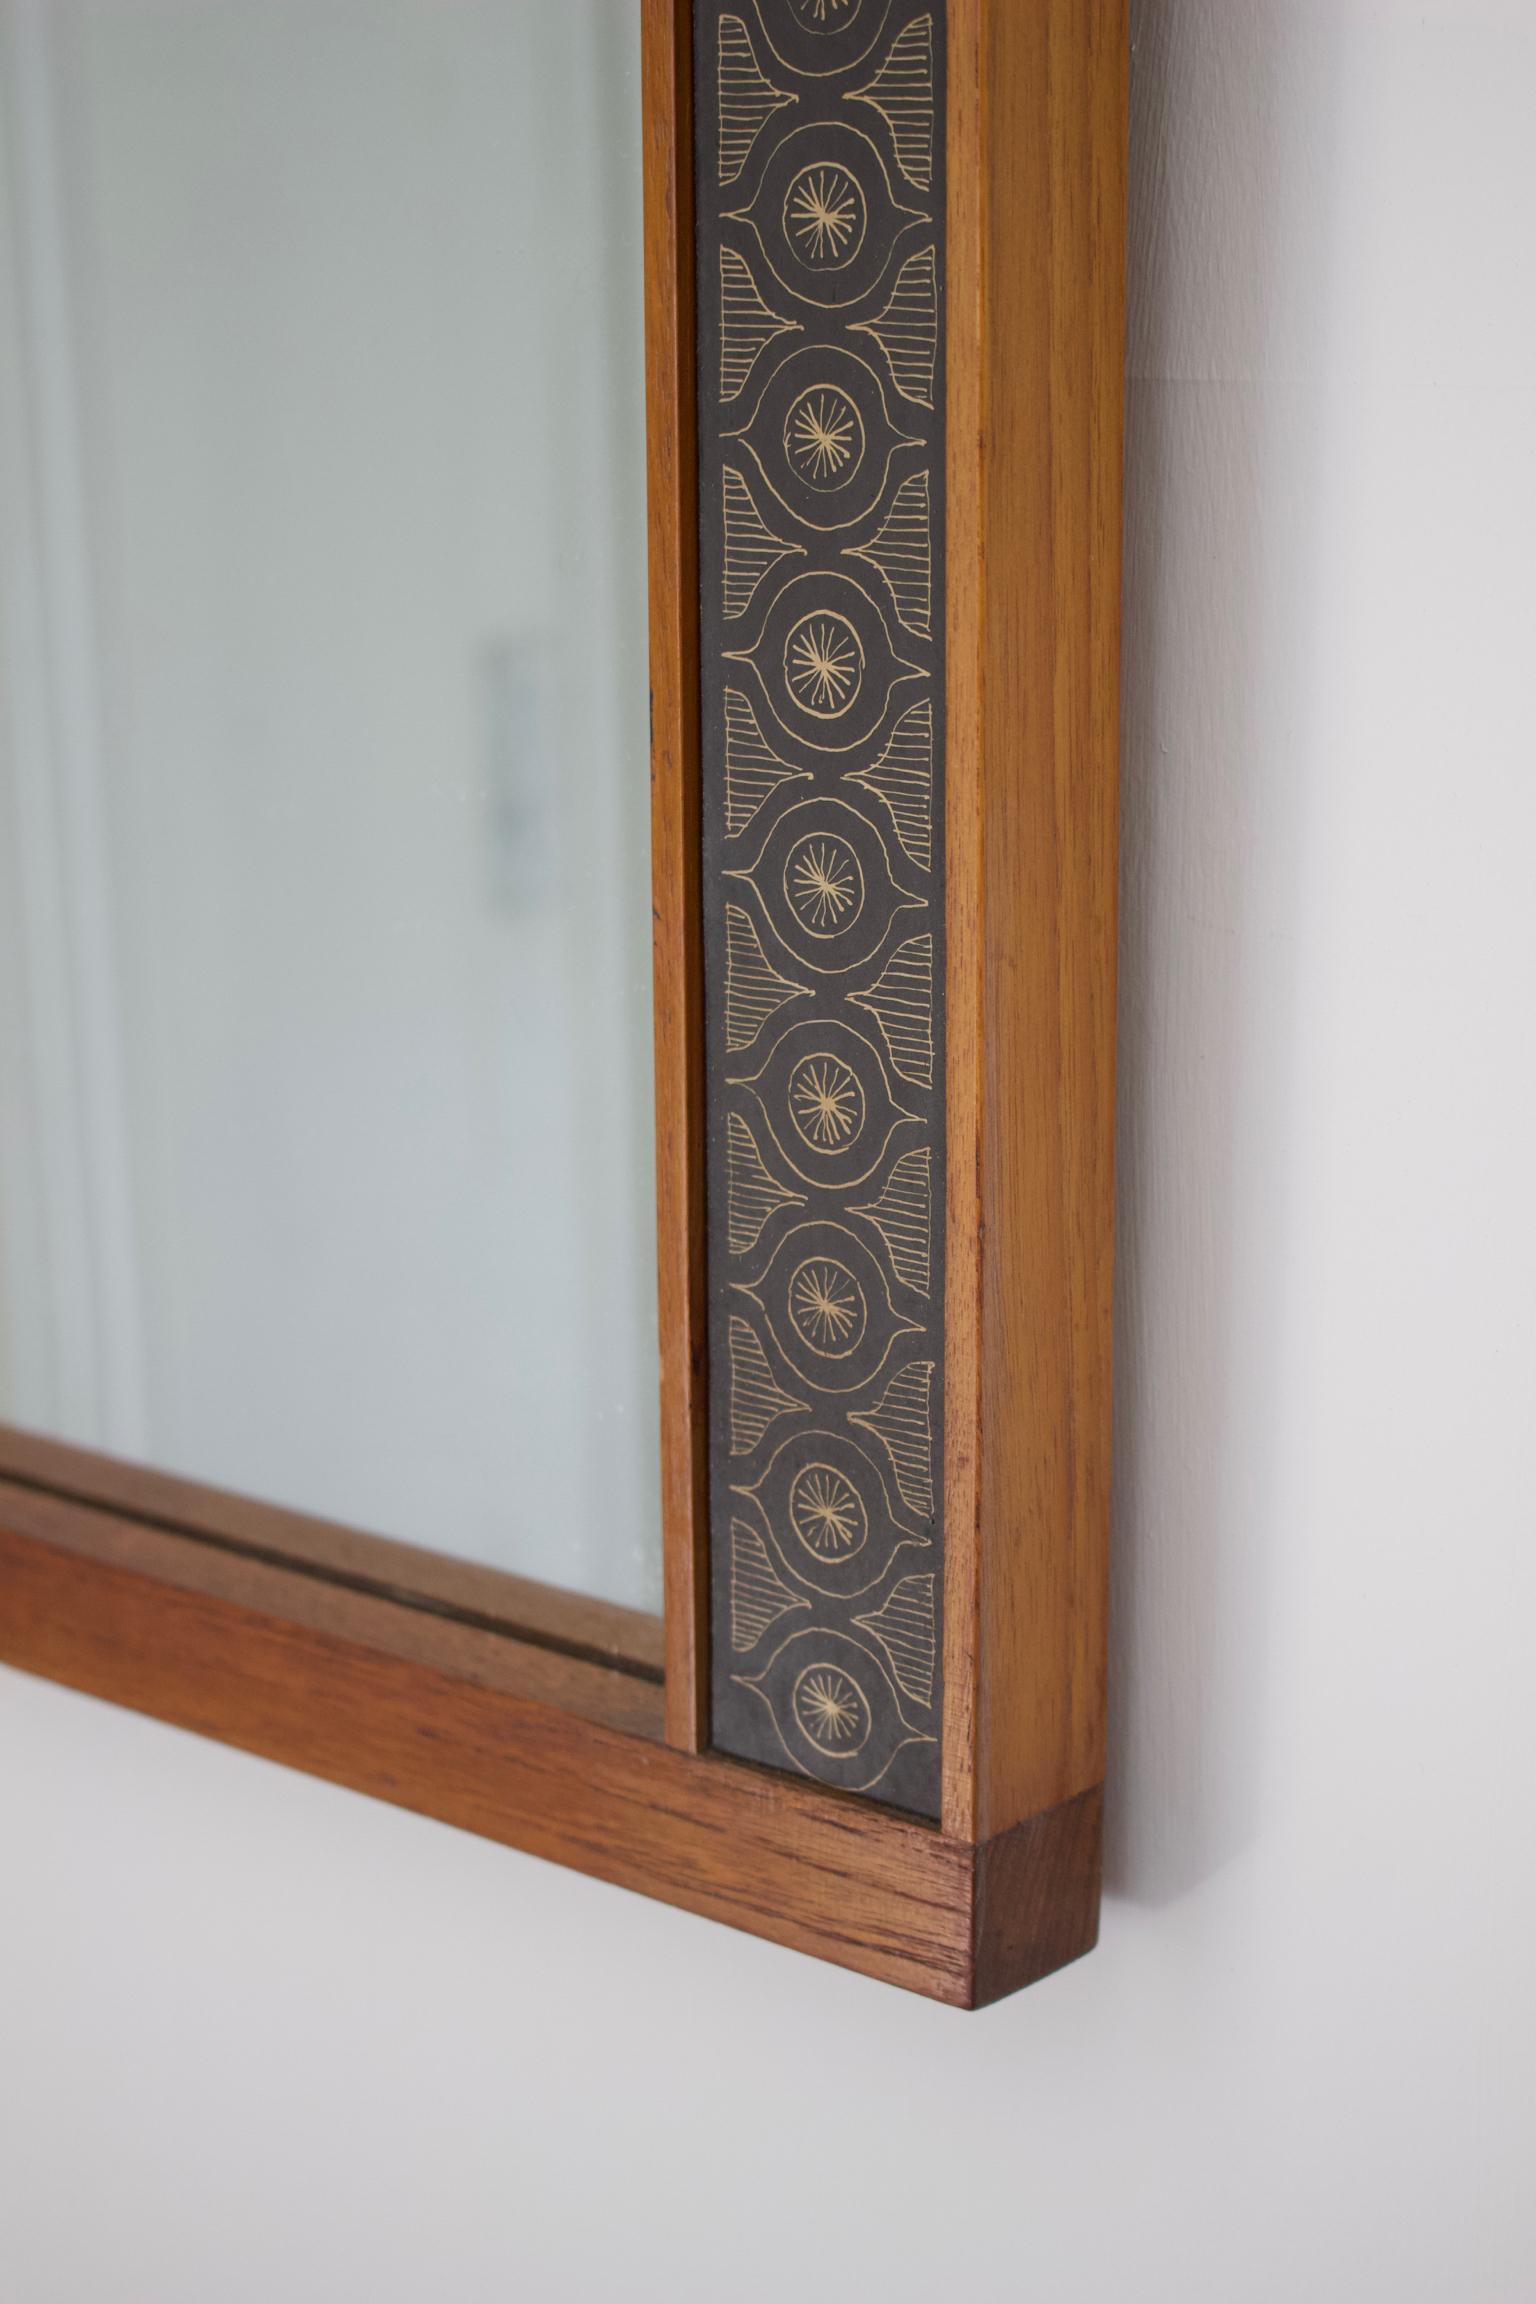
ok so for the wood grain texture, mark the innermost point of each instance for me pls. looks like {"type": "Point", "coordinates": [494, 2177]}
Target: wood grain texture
{"type": "Point", "coordinates": [672, 497]}
{"type": "Point", "coordinates": [1037, 238]}
{"type": "Point", "coordinates": [422, 1581]}
{"type": "Point", "coordinates": [265, 1661]}
{"type": "Point", "coordinates": [1037, 1897]}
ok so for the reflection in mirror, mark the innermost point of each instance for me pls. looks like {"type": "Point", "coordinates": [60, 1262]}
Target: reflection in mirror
{"type": "Point", "coordinates": [325, 1071]}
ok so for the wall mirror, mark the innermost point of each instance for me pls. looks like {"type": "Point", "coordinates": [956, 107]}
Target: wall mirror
{"type": "Point", "coordinates": [328, 1163]}
{"type": "Point", "coordinates": [559, 570]}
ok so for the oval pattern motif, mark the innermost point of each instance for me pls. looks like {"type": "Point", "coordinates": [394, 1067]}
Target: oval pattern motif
{"type": "Point", "coordinates": [835, 1709]}
{"type": "Point", "coordinates": [828, 1307]}
{"type": "Point", "coordinates": [824, 439]}
{"type": "Point", "coordinates": [831, 1513]}
{"type": "Point", "coordinates": [824, 216]}
{"type": "Point", "coordinates": [825, 663]}
{"type": "Point", "coordinates": [829, 1104]}
{"type": "Point", "coordinates": [823, 877]}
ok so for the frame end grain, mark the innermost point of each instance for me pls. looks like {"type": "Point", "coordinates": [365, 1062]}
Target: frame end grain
{"type": "Point", "coordinates": [1036, 1897]}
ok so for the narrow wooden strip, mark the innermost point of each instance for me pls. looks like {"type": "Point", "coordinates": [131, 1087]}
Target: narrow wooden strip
{"type": "Point", "coordinates": [965, 324]}
{"type": "Point", "coordinates": [1055, 161]}
{"type": "Point", "coordinates": [666, 88]}
{"type": "Point", "coordinates": [1041, 104]}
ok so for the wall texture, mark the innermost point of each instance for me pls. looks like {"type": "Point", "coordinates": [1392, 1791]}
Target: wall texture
{"type": "Point", "coordinates": [261, 2040]}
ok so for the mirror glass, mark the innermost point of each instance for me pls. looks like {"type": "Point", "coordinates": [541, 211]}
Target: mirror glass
{"type": "Point", "coordinates": [326, 1165]}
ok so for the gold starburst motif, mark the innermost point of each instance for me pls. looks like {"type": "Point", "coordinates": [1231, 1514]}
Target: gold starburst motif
{"type": "Point", "coordinates": [831, 1709]}
{"type": "Point", "coordinates": [826, 1304]}
{"type": "Point", "coordinates": [824, 216]}
{"type": "Point", "coordinates": [826, 1103]}
{"type": "Point", "coordinates": [823, 11]}
{"type": "Point", "coordinates": [823, 883]}
{"type": "Point", "coordinates": [827, 1513]}
{"type": "Point", "coordinates": [823, 436]}
{"type": "Point", "coordinates": [823, 663]}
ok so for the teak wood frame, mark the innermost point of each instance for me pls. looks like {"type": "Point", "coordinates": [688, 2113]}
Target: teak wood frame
{"type": "Point", "coordinates": [578, 1731]}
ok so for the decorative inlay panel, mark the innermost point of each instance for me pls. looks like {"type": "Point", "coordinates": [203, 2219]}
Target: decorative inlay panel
{"type": "Point", "coordinates": [820, 207]}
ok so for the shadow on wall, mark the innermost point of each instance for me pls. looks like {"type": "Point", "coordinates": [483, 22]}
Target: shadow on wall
{"type": "Point", "coordinates": [1231, 144]}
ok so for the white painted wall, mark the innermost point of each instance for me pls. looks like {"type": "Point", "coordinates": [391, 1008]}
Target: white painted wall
{"type": "Point", "coordinates": [260, 2040]}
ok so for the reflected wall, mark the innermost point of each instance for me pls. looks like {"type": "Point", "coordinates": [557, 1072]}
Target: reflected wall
{"type": "Point", "coordinates": [325, 1127]}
